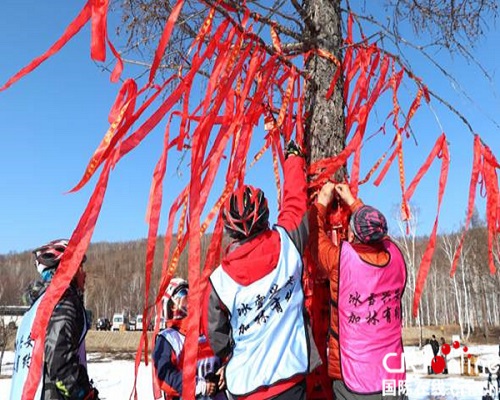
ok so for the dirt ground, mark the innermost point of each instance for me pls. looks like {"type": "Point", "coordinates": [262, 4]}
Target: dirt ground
{"type": "Point", "coordinates": [412, 335]}
{"type": "Point", "coordinates": [116, 342]}
{"type": "Point", "coordinates": [128, 341]}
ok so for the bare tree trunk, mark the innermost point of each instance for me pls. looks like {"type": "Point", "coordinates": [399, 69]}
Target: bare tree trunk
{"type": "Point", "coordinates": [495, 310]}
{"type": "Point", "coordinates": [489, 318]}
{"type": "Point", "coordinates": [459, 304]}
{"type": "Point", "coordinates": [407, 244]}
{"type": "Point", "coordinates": [410, 282]}
{"type": "Point", "coordinates": [467, 309]}
{"type": "Point", "coordinates": [473, 293]}
{"type": "Point", "coordinates": [427, 311]}
{"type": "Point", "coordinates": [325, 125]}
{"type": "Point", "coordinates": [434, 297]}
{"type": "Point", "coordinates": [419, 319]}
{"type": "Point", "coordinates": [484, 308]}
{"type": "Point", "coordinates": [449, 245]}
{"type": "Point", "coordinates": [445, 308]}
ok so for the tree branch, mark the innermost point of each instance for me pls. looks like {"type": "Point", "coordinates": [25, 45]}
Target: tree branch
{"type": "Point", "coordinates": [311, 26]}
{"type": "Point", "coordinates": [257, 17]}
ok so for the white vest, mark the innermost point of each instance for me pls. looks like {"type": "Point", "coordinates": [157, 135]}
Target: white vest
{"type": "Point", "coordinates": [24, 351]}
{"type": "Point", "coordinates": [267, 321]}
{"type": "Point", "coordinates": [205, 364]}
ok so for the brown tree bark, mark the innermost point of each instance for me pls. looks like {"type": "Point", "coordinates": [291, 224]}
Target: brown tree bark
{"type": "Point", "coordinates": [325, 127]}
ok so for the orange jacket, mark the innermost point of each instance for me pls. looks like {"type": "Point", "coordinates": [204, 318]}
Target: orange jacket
{"type": "Point", "coordinates": [327, 256]}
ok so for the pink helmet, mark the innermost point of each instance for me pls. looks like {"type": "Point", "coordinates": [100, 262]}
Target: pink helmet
{"type": "Point", "coordinates": [49, 255]}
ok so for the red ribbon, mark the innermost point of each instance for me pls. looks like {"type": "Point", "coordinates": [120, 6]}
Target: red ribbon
{"type": "Point", "coordinates": [72, 29]}
{"type": "Point", "coordinates": [98, 30]}
{"type": "Point", "coordinates": [490, 166]}
{"type": "Point", "coordinates": [118, 69]}
{"type": "Point", "coordinates": [477, 166]}
{"type": "Point", "coordinates": [439, 150]}
{"type": "Point", "coordinates": [70, 263]}
{"type": "Point", "coordinates": [244, 84]}
{"type": "Point", "coordinates": [165, 38]}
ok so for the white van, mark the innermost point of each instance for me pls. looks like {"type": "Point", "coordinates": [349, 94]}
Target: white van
{"type": "Point", "coordinates": [138, 322]}
{"type": "Point", "coordinates": [120, 322]}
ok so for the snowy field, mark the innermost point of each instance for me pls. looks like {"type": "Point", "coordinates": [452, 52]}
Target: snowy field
{"type": "Point", "coordinates": [115, 378]}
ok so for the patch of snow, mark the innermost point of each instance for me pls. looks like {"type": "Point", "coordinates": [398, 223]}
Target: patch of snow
{"type": "Point", "coordinates": [115, 378]}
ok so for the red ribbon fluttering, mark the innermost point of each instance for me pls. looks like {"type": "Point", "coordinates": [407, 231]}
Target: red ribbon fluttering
{"type": "Point", "coordinates": [94, 10]}
{"type": "Point", "coordinates": [484, 166]}
{"type": "Point", "coordinates": [245, 85]}
{"type": "Point", "coordinates": [70, 263]}
{"type": "Point", "coordinates": [440, 150]}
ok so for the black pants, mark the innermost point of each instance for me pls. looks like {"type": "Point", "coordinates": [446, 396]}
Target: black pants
{"type": "Point", "coordinates": [343, 393]}
{"type": "Point", "coordinates": [297, 392]}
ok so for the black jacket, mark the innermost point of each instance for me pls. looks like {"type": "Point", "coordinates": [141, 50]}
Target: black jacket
{"type": "Point", "coordinates": [64, 375]}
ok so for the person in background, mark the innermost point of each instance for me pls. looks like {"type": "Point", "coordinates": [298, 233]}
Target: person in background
{"type": "Point", "coordinates": [367, 275]}
{"type": "Point", "coordinates": [65, 359]}
{"type": "Point", "coordinates": [254, 310]}
{"type": "Point", "coordinates": [443, 342]}
{"type": "Point", "coordinates": [168, 352]}
{"type": "Point", "coordinates": [435, 345]}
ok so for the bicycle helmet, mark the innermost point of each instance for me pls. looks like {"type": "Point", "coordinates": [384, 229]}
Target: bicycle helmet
{"type": "Point", "coordinates": [245, 213]}
{"type": "Point", "coordinates": [176, 291]}
{"type": "Point", "coordinates": [49, 256]}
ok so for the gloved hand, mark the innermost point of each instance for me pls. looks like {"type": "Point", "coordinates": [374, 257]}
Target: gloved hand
{"type": "Point", "coordinates": [292, 148]}
{"type": "Point", "coordinates": [211, 377]}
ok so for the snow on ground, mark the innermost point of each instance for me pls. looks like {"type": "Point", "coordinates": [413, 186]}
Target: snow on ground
{"type": "Point", "coordinates": [115, 378]}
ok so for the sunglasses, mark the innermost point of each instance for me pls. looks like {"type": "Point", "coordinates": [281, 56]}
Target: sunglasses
{"type": "Point", "coordinates": [181, 293]}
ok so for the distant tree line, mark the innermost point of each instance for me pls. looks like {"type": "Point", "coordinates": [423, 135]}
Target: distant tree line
{"type": "Point", "coordinates": [471, 298]}
{"type": "Point", "coordinates": [115, 279]}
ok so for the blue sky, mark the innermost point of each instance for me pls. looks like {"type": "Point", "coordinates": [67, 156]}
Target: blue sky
{"type": "Point", "coordinates": [53, 119]}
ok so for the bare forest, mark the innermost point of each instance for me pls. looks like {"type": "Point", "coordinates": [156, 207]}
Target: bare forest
{"type": "Point", "coordinates": [115, 275]}
{"type": "Point", "coordinates": [469, 299]}
{"type": "Point", "coordinates": [115, 279]}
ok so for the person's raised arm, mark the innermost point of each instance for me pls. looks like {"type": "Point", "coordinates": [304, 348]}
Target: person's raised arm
{"type": "Point", "coordinates": [323, 251]}
{"type": "Point", "coordinates": [293, 213]}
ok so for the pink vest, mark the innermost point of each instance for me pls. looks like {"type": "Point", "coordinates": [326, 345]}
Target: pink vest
{"type": "Point", "coordinates": [370, 323]}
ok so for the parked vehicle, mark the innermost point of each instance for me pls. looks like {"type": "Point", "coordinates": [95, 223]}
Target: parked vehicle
{"type": "Point", "coordinates": [162, 324]}
{"type": "Point", "coordinates": [131, 325]}
{"type": "Point", "coordinates": [138, 322]}
{"type": "Point", "coordinates": [120, 322]}
{"type": "Point", "coordinates": [103, 324]}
